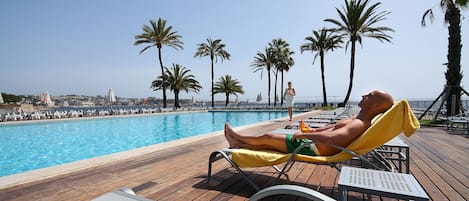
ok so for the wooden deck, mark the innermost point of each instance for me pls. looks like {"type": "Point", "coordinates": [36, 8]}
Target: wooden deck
{"type": "Point", "coordinates": [439, 161]}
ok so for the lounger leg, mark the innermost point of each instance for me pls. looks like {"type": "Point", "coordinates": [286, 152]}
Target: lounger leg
{"type": "Point", "coordinates": [211, 159]}
{"type": "Point", "coordinates": [214, 157]}
{"type": "Point", "coordinates": [342, 195]}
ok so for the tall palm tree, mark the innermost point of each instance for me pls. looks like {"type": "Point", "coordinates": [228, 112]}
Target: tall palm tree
{"type": "Point", "coordinates": [322, 41]}
{"type": "Point", "coordinates": [177, 79]}
{"type": "Point", "coordinates": [453, 73]}
{"type": "Point", "coordinates": [284, 64]}
{"type": "Point", "coordinates": [357, 20]}
{"type": "Point", "coordinates": [160, 83]}
{"type": "Point", "coordinates": [282, 61]}
{"type": "Point", "coordinates": [216, 50]}
{"type": "Point", "coordinates": [264, 60]}
{"type": "Point", "coordinates": [159, 35]}
{"type": "Point", "coordinates": [228, 86]}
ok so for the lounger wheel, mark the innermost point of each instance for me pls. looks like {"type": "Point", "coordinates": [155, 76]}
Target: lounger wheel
{"type": "Point", "coordinates": [290, 190]}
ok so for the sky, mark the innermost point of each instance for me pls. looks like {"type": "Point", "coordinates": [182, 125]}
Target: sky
{"type": "Point", "coordinates": [86, 47]}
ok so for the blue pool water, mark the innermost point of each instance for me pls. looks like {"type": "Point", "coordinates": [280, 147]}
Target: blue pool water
{"type": "Point", "coordinates": [30, 146]}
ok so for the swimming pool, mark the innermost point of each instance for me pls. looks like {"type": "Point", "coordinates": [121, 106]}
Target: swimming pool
{"type": "Point", "coordinates": [30, 146]}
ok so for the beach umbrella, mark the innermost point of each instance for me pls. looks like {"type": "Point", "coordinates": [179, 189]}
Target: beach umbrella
{"type": "Point", "coordinates": [1, 98]}
{"type": "Point", "coordinates": [259, 97]}
{"type": "Point", "coordinates": [193, 100]}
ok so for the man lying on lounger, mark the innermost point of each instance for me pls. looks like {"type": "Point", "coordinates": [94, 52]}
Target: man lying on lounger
{"type": "Point", "coordinates": [341, 133]}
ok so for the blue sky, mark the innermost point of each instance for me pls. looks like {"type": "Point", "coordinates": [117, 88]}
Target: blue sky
{"type": "Point", "coordinates": [85, 47]}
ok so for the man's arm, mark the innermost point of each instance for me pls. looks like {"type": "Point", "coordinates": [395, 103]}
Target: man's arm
{"type": "Point", "coordinates": [340, 123]}
{"type": "Point", "coordinates": [326, 127]}
{"type": "Point", "coordinates": [341, 136]}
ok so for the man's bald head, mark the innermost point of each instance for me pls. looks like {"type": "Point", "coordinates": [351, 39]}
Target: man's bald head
{"type": "Point", "coordinates": [376, 102]}
{"type": "Point", "coordinates": [385, 100]}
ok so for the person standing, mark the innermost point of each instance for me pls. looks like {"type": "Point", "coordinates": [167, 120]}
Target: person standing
{"type": "Point", "coordinates": [289, 96]}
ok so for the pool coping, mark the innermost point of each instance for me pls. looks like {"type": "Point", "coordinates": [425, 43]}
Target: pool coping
{"type": "Point", "coordinates": [58, 170]}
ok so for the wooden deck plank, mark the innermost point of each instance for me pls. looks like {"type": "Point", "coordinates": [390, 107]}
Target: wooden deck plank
{"type": "Point", "coordinates": [437, 168]}
{"type": "Point", "coordinates": [438, 160]}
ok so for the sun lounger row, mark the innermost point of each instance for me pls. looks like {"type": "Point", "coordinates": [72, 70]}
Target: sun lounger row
{"type": "Point", "coordinates": [60, 114]}
{"type": "Point", "coordinates": [325, 118]}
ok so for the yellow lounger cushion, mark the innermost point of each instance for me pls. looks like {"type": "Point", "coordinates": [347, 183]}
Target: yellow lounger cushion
{"type": "Point", "coordinates": [399, 118]}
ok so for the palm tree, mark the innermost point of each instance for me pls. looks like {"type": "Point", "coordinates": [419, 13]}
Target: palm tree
{"type": "Point", "coordinates": [160, 83]}
{"type": "Point", "coordinates": [215, 49]}
{"type": "Point", "coordinates": [322, 41]}
{"type": "Point", "coordinates": [284, 64]}
{"type": "Point", "coordinates": [282, 61]}
{"type": "Point", "coordinates": [178, 79]}
{"type": "Point", "coordinates": [453, 73]}
{"type": "Point", "coordinates": [159, 35]}
{"type": "Point", "coordinates": [264, 60]}
{"type": "Point", "coordinates": [357, 21]}
{"type": "Point", "coordinates": [228, 86]}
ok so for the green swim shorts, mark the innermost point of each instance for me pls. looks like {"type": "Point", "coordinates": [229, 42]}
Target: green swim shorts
{"type": "Point", "coordinates": [293, 144]}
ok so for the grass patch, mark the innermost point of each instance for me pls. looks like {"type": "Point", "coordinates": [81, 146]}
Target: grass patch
{"type": "Point", "coordinates": [430, 122]}
{"type": "Point", "coordinates": [426, 121]}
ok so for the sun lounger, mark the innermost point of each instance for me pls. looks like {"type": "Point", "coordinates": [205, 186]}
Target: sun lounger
{"type": "Point", "coordinates": [327, 121]}
{"type": "Point", "coordinates": [285, 131]}
{"type": "Point", "coordinates": [308, 124]}
{"type": "Point", "coordinates": [397, 119]}
{"type": "Point", "coordinates": [122, 194]}
{"type": "Point", "coordinates": [453, 122]}
{"type": "Point", "coordinates": [307, 193]}
{"type": "Point", "coordinates": [397, 150]}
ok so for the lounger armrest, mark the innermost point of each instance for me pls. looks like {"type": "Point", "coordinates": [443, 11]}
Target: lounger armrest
{"type": "Point", "coordinates": [290, 190]}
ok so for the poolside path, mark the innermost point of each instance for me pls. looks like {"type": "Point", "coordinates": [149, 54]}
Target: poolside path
{"type": "Point", "coordinates": [438, 160]}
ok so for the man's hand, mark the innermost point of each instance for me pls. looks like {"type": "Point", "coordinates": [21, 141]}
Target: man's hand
{"type": "Point", "coordinates": [299, 136]}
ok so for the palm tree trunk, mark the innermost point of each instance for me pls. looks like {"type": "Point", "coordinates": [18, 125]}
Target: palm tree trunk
{"type": "Point", "coordinates": [162, 72]}
{"type": "Point", "coordinates": [453, 72]}
{"type": "Point", "coordinates": [211, 58]}
{"type": "Point", "coordinates": [268, 76]}
{"type": "Point", "coordinates": [352, 69]}
{"type": "Point", "coordinates": [275, 88]}
{"type": "Point", "coordinates": [323, 78]}
{"type": "Point", "coordinates": [176, 99]}
{"type": "Point", "coordinates": [281, 92]}
{"type": "Point", "coordinates": [227, 99]}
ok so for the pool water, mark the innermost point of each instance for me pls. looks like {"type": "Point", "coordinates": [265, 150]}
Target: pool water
{"type": "Point", "coordinates": [30, 146]}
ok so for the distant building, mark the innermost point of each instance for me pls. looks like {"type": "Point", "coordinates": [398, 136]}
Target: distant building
{"type": "Point", "coordinates": [87, 104]}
